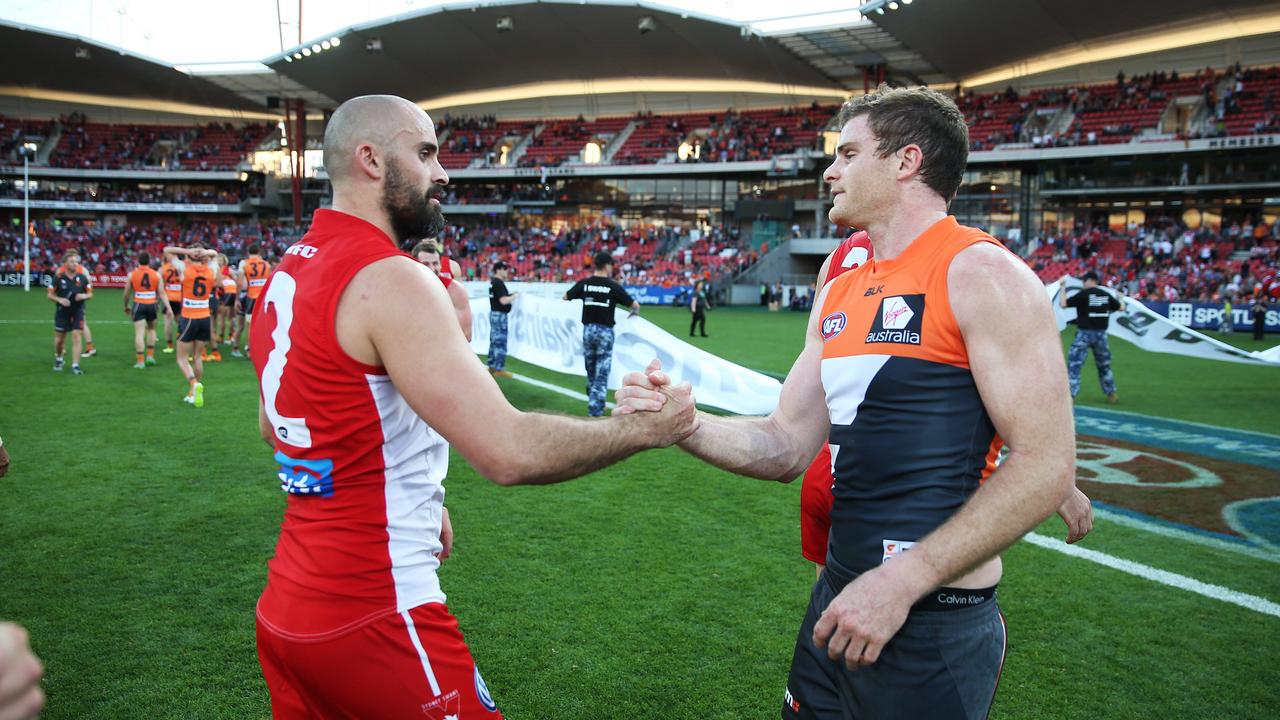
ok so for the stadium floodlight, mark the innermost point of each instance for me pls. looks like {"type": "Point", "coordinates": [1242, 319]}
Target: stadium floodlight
{"type": "Point", "coordinates": [315, 48]}
{"type": "Point", "coordinates": [893, 6]}
{"type": "Point", "coordinates": [335, 41]}
{"type": "Point", "coordinates": [28, 151]}
{"type": "Point", "coordinates": [906, 2]}
{"type": "Point", "coordinates": [646, 25]}
{"type": "Point", "coordinates": [324, 45]}
{"type": "Point", "coordinates": [288, 58]}
{"type": "Point", "coordinates": [297, 56]}
{"type": "Point", "coordinates": [306, 52]}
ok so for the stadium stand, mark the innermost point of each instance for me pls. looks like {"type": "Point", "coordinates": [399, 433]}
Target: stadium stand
{"type": "Point", "coordinates": [562, 141]}
{"type": "Point", "coordinates": [81, 144]}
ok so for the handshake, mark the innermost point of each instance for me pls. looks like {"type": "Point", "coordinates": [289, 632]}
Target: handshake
{"type": "Point", "coordinates": [669, 410]}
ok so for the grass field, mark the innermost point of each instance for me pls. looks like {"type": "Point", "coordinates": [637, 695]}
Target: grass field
{"type": "Point", "coordinates": [135, 531]}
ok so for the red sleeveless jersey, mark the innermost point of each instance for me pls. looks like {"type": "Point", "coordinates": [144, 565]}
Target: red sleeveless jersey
{"type": "Point", "coordinates": [362, 471]}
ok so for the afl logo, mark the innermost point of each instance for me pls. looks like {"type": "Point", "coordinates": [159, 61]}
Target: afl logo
{"type": "Point", "coordinates": [833, 324]}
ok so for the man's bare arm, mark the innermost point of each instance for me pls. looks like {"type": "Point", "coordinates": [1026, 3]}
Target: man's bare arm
{"type": "Point", "coordinates": [777, 447]}
{"type": "Point", "coordinates": [504, 444]}
{"type": "Point", "coordinates": [264, 425]}
{"type": "Point", "coordinates": [461, 307]}
{"type": "Point", "coordinates": [1016, 360]}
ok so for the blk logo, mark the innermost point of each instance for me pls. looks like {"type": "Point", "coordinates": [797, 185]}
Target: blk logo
{"type": "Point", "coordinates": [873, 291]}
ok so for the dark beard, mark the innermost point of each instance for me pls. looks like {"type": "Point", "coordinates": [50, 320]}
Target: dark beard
{"type": "Point", "coordinates": [413, 217]}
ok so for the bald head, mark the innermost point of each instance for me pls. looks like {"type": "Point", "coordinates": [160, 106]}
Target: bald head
{"type": "Point", "coordinates": [371, 120]}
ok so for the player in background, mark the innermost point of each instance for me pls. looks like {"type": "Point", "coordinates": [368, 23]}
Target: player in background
{"type": "Point", "coordinates": [228, 311]}
{"type": "Point", "coordinates": [254, 270]}
{"type": "Point", "coordinates": [195, 329]}
{"type": "Point", "coordinates": [69, 291]}
{"type": "Point", "coordinates": [89, 349]}
{"type": "Point", "coordinates": [242, 299]}
{"type": "Point", "coordinates": [144, 287]}
{"type": "Point", "coordinates": [171, 275]}
{"type": "Point", "coordinates": [427, 252]}
{"type": "Point", "coordinates": [217, 301]}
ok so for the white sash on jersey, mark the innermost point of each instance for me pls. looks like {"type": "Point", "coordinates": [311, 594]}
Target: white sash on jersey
{"type": "Point", "coordinates": [189, 303]}
{"type": "Point", "coordinates": [145, 295]}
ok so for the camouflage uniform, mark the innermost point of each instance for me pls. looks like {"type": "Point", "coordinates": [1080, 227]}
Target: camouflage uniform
{"type": "Point", "coordinates": [497, 340]}
{"type": "Point", "coordinates": [597, 349]}
{"type": "Point", "coordinates": [1085, 339]}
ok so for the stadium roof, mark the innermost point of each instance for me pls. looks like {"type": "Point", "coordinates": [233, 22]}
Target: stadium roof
{"type": "Point", "coordinates": [485, 51]}
{"type": "Point", "coordinates": [514, 50]}
{"type": "Point", "coordinates": [964, 39]}
{"type": "Point", "coordinates": [50, 65]}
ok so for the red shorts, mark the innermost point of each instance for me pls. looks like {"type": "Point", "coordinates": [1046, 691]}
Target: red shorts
{"type": "Point", "coordinates": [815, 507]}
{"type": "Point", "coordinates": [407, 665]}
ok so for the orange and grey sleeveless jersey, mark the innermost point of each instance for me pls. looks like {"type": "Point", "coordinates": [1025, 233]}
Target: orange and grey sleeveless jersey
{"type": "Point", "coordinates": [910, 437]}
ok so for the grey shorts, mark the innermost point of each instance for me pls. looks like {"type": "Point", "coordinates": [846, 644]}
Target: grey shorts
{"type": "Point", "coordinates": [942, 665]}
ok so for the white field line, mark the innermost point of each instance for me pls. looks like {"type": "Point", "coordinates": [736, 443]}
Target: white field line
{"type": "Point", "coordinates": [554, 388]}
{"type": "Point", "coordinates": [1163, 577]}
{"type": "Point", "coordinates": [1171, 532]}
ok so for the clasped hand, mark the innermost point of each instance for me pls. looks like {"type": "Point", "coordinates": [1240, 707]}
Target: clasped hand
{"type": "Point", "coordinates": [651, 391]}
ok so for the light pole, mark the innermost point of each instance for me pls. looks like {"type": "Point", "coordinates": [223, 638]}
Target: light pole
{"type": "Point", "coordinates": [28, 149]}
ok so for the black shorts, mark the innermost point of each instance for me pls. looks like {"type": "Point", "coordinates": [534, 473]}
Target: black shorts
{"type": "Point", "coordinates": [942, 664]}
{"type": "Point", "coordinates": [228, 301]}
{"type": "Point", "coordinates": [176, 307]}
{"type": "Point", "coordinates": [246, 304]}
{"type": "Point", "coordinates": [144, 312]}
{"type": "Point", "coordinates": [66, 319]}
{"type": "Point", "coordinates": [213, 306]}
{"type": "Point", "coordinates": [193, 329]}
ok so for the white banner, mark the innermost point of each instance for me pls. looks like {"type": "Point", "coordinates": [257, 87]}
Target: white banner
{"type": "Point", "coordinates": [548, 333]}
{"type": "Point", "coordinates": [1152, 331]}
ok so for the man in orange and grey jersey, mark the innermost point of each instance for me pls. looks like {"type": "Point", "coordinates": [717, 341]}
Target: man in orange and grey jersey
{"type": "Point", "coordinates": [144, 288]}
{"type": "Point", "coordinates": [225, 324]}
{"type": "Point", "coordinates": [928, 358]}
{"type": "Point", "coordinates": [255, 271]}
{"type": "Point", "coordinates": [216, 302]}
{"type": "Point", "coordinates": [195, 329]}
{"type": "Point", "coordinates": [171, 275]}
{"type": "Point", "coordinates": [240, 316]}
{"type": "Point", "coordinates": [427, 252]}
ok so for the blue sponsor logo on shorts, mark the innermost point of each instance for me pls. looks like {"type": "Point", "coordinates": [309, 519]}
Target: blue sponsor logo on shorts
{"type": "Point", "coordinates": [305, 477]}
{"type": "Point", "coordinates": [482, 693]}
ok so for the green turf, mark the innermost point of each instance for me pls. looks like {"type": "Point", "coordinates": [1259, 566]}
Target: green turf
{"type": "Point", "coordinates": [135, 532]}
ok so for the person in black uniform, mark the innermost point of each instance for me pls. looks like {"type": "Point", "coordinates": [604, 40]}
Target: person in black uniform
{"type": "Point", "coordinates": [698, 306]}
{"type": "Point", "coordinates": [599, 295]}
{"type": "Point", "coordinates": [69, 291]}
{"type": "Point", "coordinates": [1259, 313]}
{"type": "Point", "coordinates": [500, 300]}
{"type": "Point", "coordinates": [1093, 314]}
